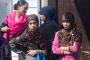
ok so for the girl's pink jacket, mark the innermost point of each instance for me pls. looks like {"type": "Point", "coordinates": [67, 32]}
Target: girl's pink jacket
{"type": "Point", "coordinates": [73, 49]}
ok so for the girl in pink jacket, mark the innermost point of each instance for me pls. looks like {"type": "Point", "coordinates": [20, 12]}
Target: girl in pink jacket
{"type": "Point", "coordinates": [67, 40]}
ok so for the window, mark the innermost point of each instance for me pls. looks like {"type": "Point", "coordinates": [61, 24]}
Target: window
{"type": "Point", "coordinates": [15, 1]}
{"type": "Point", "coordinates": [5, 8]}
{"type": "Point", "coordinates": [33, 6]}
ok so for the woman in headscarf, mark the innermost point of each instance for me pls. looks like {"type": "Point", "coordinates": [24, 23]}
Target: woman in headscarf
{"type": "Point", "coordinates": [31, 41]}
{"type": "Point", "coordinates": [68, 39]}
{"type": "Point", "coordinates": [48, 27]}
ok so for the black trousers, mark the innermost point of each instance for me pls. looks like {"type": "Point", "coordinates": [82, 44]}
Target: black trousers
{"type": "Point", "coordinates": [5, 51]}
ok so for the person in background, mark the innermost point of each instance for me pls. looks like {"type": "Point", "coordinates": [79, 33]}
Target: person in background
{"type": "Point", "coordinates": [48, 26]}
{"type": "Point", "coordinates": [68, 39]}
{"type": "Point", "coordinates": [13, 25]}
{"type": "Point", "coordinates": [31, 41]}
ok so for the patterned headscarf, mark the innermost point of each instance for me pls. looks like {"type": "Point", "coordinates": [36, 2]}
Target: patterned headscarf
{"type": "Point", "coordinates": [67, 38]}
{"type": "Point", "coordinates": [32, 17]}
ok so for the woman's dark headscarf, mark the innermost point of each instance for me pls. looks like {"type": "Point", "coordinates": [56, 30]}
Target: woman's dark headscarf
{"type": "Point", "coordinates": [49, 12]}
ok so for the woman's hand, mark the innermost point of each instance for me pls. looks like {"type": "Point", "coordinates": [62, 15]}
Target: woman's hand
{"type": "Point", "coordinates": [44, 51]}
{"type": "Point", "coordinates": [5, 29]}
{"type": "Point", "coordinates": [32, 52]}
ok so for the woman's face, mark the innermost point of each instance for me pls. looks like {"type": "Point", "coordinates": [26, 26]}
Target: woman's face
{"type": "Point", "coordinates": [32, 25]}
{"type": "Point", "coordinates": [66, 25]}
{"type": "Point", "coordinates": [23, 9]}
{"type": "Point", "coordinates": [42, 17]}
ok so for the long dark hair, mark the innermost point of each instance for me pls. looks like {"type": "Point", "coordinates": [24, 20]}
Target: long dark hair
{"type": "Point", "coordinates": [19, 3]}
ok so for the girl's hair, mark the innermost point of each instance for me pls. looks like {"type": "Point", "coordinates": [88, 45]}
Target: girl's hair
{"type": "Point", "coordinates": [69, 17]}
{"type": "Point", "coordinates": [19, 3]}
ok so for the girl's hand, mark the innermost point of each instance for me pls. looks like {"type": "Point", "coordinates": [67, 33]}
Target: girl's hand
{"type": "Point", "coordinates": [44, 51]}
{"type": "Point", "coordinates": [66, 52]}
{"type": "Point", "coordinates": [5, 29]}
{"type": "Point", "coordinates": [32, 52]}
{"type": "Point", "coordinates": [64, 48]}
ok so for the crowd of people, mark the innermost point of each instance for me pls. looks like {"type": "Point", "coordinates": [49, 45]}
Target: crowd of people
{"type": "Point", "coordinates": [22, 34]}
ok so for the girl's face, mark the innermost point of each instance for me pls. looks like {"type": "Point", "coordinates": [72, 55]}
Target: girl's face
{"type": "Point", "coordinates": [32, 25]}
{"type": "Point", "coordinates": [23, 9]}
{"type": "Point", "coordinates": [66, 25]}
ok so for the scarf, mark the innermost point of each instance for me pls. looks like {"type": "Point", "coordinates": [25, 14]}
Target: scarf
{"type": "Point", "coordinates": [68, 38]}
{"type": "Point", "coordinates": [16, 28]}
{"type": "Point", "coordinates": [30, 40]}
